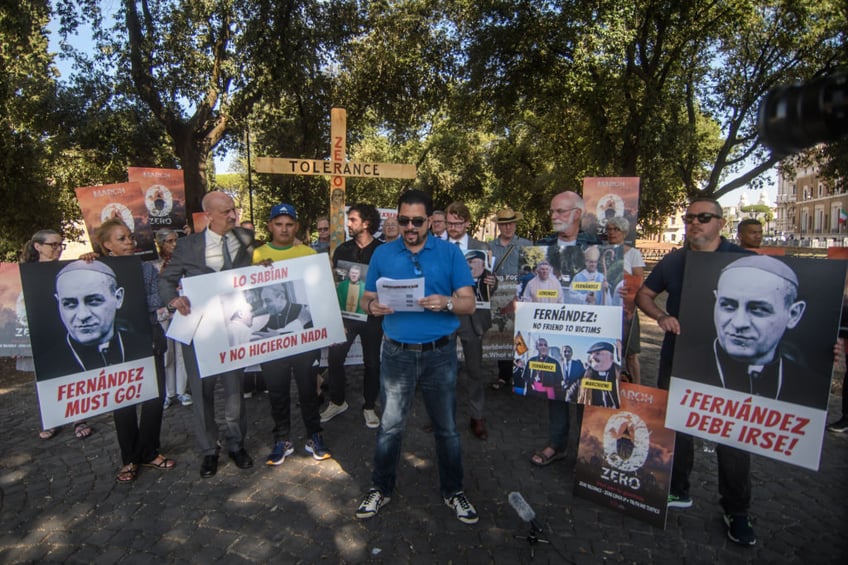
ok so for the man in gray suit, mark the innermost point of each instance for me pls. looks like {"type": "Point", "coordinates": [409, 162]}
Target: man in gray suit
{"type": "Point", "coordinates": [472, 326]}
{"type": "Point", "coordinates": [219, 247]}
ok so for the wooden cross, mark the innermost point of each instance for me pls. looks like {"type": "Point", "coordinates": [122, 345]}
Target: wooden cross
{"type": "Point", "coordinates": [337, 168]}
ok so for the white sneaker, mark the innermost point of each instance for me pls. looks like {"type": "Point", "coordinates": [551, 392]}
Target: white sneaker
{"type": "Point", "coordinates": [185, 399]}
{"type": "Point", "coordinates": [371, 419]}
{"type": "Point", "coordinates": [465, 511]}
{"type": "Point", "coordinates": [371, 504]}
{"type": "Point", "coordinates": [332, 410]}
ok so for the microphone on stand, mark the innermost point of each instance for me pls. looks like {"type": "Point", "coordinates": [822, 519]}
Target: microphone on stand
{"type": "Point", "coordinates": [526, 513]}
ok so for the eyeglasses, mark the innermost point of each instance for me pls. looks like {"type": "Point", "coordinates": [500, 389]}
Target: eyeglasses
{"type": "Point", "coordinates": [417, 221]}
{"type": "Point", "coordinates": [323, 229]}
{"type": "Point", "coordinates": [703, 217]}
{"type": "Point", "coordinates": [416, 266]}
{"type": "Point", "coordinates": [455, 224]}
{"type": "Point", "coordinates": [55, 244]}
{"type": "Point", "coordinates": [613, 228]}
{"type": "Point", "coordinates": [562, 211]}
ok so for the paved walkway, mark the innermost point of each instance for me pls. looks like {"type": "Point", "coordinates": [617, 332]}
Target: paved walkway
{"type": "Point", "coordinates": [59, 501]}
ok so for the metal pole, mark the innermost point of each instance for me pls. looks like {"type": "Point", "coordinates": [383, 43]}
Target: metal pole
{"type": "Point", "coordinates": [249, 176]}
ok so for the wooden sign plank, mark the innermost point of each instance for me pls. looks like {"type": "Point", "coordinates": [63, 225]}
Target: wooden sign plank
{"type": "Point", "coordinates": [315, 167]}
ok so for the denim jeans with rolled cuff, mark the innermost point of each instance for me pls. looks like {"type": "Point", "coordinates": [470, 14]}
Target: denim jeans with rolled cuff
{"type": "Point", "coordinates": [434, 372]}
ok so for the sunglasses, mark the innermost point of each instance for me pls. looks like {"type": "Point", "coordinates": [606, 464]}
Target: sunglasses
{"type": "Point", "coordinates": [417, 266]}
{"type": "Point", "coordinates": [703, 217]}
{"type": "Point", "coordinates": [417, 221]}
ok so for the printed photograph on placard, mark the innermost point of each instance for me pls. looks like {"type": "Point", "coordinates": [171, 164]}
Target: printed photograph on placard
{"type": "Point", "coordinates": [14, 330]}
{"type": "Point", "coordinates": [91, 336]}
{"type": "Point", "coordinates": [607, 197]}
{"type": "Point", "coordinates": [571, 275]}
{"type": "Point", "coordinates": [624, 456]}
{"type": "Point", "coordinates": [124, 201]}
{"type": "Point", "coordinates": [568, 352]}
{"type": "Point", "coordinates": [764, 355]}
{"type": "Point", "coordinates": [350, 285]}
{"type": "Point", "coordinates": [480, 264]}
{"type": "Point", "coordinates": [164, 195]}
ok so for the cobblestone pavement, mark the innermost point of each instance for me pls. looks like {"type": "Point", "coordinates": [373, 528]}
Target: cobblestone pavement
{"type": "Point", "coordinates": [59, 501]}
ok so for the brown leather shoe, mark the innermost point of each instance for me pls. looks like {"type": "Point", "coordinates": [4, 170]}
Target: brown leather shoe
{"type": "Point", "coordinates": [478, 428]}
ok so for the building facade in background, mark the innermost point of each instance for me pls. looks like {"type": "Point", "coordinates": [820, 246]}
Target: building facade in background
{"type": "Point", "coordinates": [811, 211]}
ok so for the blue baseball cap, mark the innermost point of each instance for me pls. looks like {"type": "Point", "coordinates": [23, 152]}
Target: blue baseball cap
{"type": "Point", "coordinates": [283, 209]}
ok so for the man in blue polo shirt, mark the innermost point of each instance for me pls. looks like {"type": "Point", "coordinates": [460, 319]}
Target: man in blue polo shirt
{"type": "Point", "coordinates": [419, 348]}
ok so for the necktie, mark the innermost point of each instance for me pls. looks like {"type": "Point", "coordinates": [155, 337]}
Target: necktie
{"type": "Point", "coordinates": [225, 250]}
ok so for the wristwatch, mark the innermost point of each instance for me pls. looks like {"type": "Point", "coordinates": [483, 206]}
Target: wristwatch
{"type": "Point", "coordinates": [449, 305]}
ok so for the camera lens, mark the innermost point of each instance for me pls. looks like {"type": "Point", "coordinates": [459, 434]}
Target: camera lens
{"type": "Point", "coordinates": [792, 118]}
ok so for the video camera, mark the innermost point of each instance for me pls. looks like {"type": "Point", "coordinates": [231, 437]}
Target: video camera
{"type": "Point", "coordinates": [792, 118]}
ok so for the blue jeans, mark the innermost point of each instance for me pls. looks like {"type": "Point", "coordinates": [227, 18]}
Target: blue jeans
{"type": "Point", "coordinates": [401, 371]}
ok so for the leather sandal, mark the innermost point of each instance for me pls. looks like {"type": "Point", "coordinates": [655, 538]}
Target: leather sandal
{"type": "Point", "coordinates": [127, 474]}
{"type": "Point", "coordinates": [83, 430]}
{"type": "Point", "coordinates": [161, 462]}
{"type": "Point", "coordinates": [541, 460]}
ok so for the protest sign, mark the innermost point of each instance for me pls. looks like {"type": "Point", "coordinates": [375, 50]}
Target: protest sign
{"type": "Point", "coordinates": [624, 456]}
{"type": "Point", "coordinates": [571, 275]}
{"type": "Point", "coordinates": [608, 197]}
{"type": "Point", "coordinates": [753, 368]}
{"type": "Point", "coordinates": [14, 331]}
{"type": "Point", "coordinates": [124, 201]}
{"type": "Point", "coordinates": [256, 314]}
{"type": "Point", "coordinates": [90, 333]}
{"type": "Point", "coordinates": [164, 196]}
{"type": "Point", "coordinates": [563, 335]}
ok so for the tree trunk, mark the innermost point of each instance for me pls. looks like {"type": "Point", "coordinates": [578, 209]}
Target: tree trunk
{"type": "Point", "coordinates": [193, 157]}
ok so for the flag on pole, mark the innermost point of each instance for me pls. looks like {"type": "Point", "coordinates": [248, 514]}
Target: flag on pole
{"type": "Point", "coordinates": [843, 216]}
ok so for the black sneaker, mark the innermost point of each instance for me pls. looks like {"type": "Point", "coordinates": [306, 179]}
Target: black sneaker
{"type": "Point", "coordinates": [839, 427]}
{"type": "Point", "coordinates": [739, 529]}
{"type": "Point", "coordinates": [281, 450]}
{"type": "Point", "coordinates": [316, 447]}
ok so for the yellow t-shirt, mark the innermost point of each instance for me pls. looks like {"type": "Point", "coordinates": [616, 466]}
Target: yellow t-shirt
{"type": "Point", "coordinates": [268, 251]}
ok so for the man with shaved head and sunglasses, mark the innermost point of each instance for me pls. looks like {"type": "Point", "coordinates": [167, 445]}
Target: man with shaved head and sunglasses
{"type": "Point", "coordinates": [419, 350]}
{"type": "Point", "coordinates": [704, 221]}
